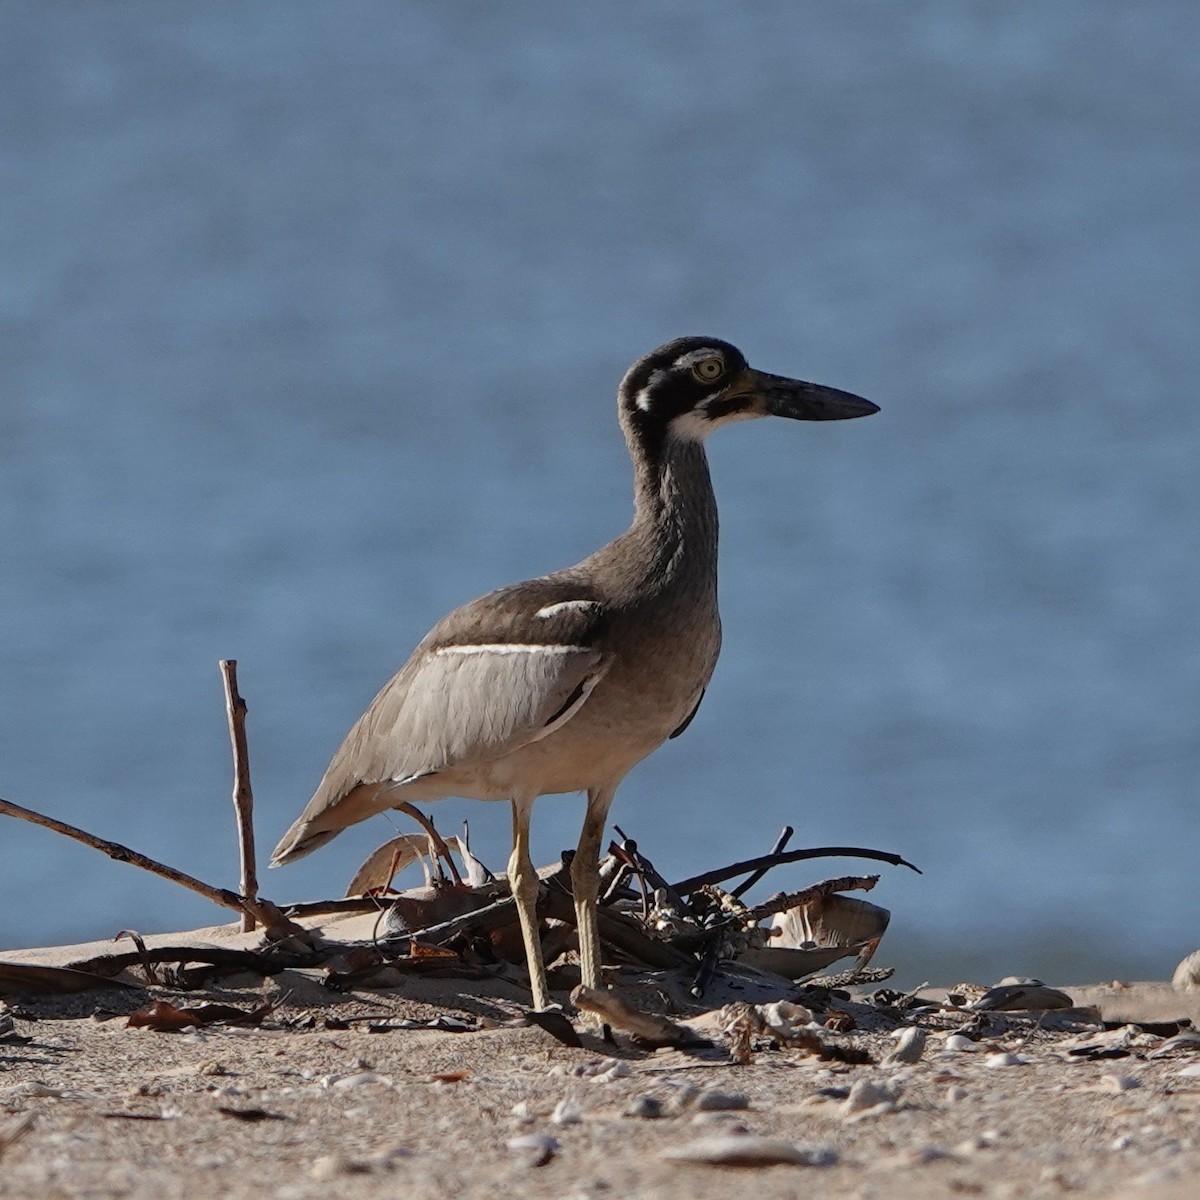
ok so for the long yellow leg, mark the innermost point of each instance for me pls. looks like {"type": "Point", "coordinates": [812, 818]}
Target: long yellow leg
{"type": "Point", "coordinates": [585, 883]}
{"type": "Point", "coordinates": [522, 878]}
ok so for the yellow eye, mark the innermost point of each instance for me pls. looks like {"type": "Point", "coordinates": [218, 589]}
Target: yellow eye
{"type": "Point", "coordinates": [709, 369]}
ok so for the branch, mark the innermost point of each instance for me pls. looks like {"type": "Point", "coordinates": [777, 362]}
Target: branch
{"type": "Point", "coordinates": [276, 924]}
{"type": "Point", "coordinates": [782, 901]}
{"type": "Point", "coordinates": [243, 795]}
{"type": "Point", "coordinates": [790, 856]}
{"type": "Point", "coordinates": [785, 836]}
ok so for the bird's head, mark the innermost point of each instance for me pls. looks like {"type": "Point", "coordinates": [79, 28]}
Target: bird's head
{"type": "Point", "coordinates": [690, 386]}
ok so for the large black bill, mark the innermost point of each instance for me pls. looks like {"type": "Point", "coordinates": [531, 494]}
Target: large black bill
{"type": "Point", "coordinates": [811, 401]}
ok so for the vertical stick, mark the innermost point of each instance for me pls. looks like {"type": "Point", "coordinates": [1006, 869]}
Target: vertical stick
{"type": "Point", "coordinates": [243, 797]}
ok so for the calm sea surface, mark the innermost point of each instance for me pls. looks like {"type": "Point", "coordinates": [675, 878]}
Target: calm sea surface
{"type": "Point", "coordinates": [312, 317]}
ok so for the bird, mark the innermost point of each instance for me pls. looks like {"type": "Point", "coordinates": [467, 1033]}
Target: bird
{"type": "Point", "coordinates": [563, 683]}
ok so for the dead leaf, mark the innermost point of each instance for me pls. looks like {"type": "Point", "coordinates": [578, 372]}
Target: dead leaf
{"type": "Point", "coordinates": [228, 1014]}
{"type": "Point", "coordinates": [449, 1076]}
{"type": "Point", "coordinates": [425, 950]}
{"type": "Point", "coordinates": [163, 1017]}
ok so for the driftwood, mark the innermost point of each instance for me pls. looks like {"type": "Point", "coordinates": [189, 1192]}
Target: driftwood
{"type": "Point", "coordinates": [256, 961]}
{"type": "Point", "coordinates": [276, 924]}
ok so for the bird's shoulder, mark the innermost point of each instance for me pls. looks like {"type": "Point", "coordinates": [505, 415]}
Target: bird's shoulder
{"type": "Point", "coordinates": [557, 610]}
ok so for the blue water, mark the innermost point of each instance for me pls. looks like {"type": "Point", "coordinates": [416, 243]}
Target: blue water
{"type": "Point", "coordinates": [312, 317]}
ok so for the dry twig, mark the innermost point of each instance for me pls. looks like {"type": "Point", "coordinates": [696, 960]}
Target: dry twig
{"type": "Point", "coordinates": [766, 861]}
{"type": "Point", "coordinates": [243, 795]}
{"type": "Point", "coordinates": [276, 924]}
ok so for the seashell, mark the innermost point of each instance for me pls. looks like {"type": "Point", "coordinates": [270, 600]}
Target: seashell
{"type": "Point", "coordinates": [749, 1150]}
{"type": "Point", "coordinates": [818, 932]}
{"type": "Point", "coordinates": [910, 1045]}
{"type": "Point", "coordinates": [1022, 997]}
{"type": "Point", "coordinates": [783, 1017]}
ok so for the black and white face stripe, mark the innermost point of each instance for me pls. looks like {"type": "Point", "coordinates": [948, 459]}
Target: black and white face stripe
{"type": "Point", "coordinates": [684, 388]}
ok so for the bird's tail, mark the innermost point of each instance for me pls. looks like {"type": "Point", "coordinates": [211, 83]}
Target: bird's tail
{"type": "Point", "coordinates": [324, 818]}
{"type": "Point", "coordinates": [300, 840]}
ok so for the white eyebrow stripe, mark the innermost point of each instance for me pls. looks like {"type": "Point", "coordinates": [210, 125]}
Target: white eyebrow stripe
{"type": "Point", "coordinates": [694, 356]}
{"type": "Point", "coordinates": [513, 648]}
{"type": "Point", "coordinates": [567, 606]}
{"type": "Point", "coordinates": [643, 397]}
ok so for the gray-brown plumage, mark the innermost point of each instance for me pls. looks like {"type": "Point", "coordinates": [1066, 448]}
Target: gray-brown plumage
{"type": "Point", "coordinates": [563, 683]}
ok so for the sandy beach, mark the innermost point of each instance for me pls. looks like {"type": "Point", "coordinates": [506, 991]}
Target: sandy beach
{"type": "Point", "coordinates": [346, 1091]}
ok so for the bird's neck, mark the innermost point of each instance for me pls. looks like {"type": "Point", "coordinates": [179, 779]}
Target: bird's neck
{"type": "Point", "coordinates": [675, 514]}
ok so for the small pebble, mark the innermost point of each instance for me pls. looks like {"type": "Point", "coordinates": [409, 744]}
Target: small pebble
{"type": "Point", "coordinates": [910, 1045]}
{"type": "Point", "coordinates": [539, 1148]}
{"type": "Point", "coordinates": [867, 1097]}
{"type": "Point", "coordinates": [914, 1156]}
{"type": "Point", "coordinates": [567, 1112]}
{"type": "Point", "coordinates": [649, 1108]}
{"type": "Point", "coordinates": [683, 1099]}
{"type": "Point", "coordinates": [1120, 1083]}
{"type": "Point", "coordinates": [604, 1070]}
{"type": "Point", "coordinates": [714, 1101]}
{"type": "Point", "coordinates": [957, 1043]}
{"type": "Point", "coordinates": [330, 1166]}
{"type": "Point", "coordinates": [972, 1145]}
{"type": "Point", "coordinates": [730, 1122]}
{"type": "Point", "coordinates": [955, 1093]}
{"type": "Point", "coordinates": [1004, 1059]}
